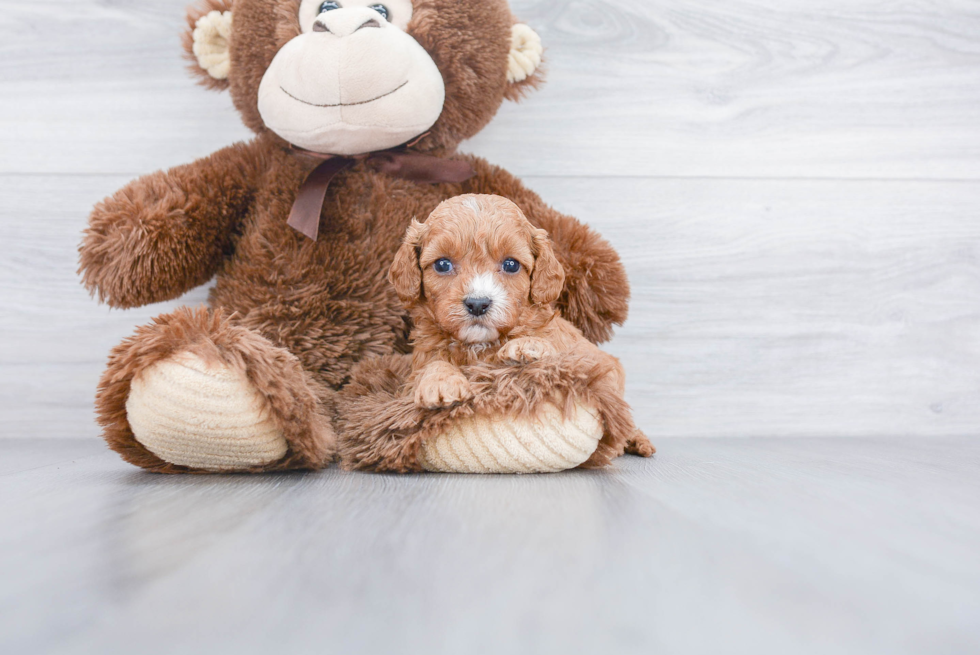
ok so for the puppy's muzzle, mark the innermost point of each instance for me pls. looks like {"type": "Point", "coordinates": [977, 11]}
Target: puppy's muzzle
{"type": "Point", "coordinates": [477, 306]}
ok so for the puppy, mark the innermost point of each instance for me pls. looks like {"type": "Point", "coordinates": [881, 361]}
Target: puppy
{"type": "Point", "coordinates": [480, 282]}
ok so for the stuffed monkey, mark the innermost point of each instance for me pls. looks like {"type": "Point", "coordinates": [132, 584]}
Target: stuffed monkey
{"type": "Point", "coordinates": [357, 107]}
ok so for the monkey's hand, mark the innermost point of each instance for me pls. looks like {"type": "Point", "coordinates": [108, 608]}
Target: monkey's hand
{"type": "Point", "coordinates": [168, 232]}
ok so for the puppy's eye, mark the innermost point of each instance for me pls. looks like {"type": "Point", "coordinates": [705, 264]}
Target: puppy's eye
{"type": "Point", "coordinates": [381, 9]}
{"type": "Point", "coordinates": [442, 266]}
{"type": "Point", "coordinates": [329, 6]}
{"type": "Point", "coordinates": [510, 265]}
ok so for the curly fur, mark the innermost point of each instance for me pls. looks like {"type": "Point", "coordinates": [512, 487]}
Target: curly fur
{"type": "Point", "coordinates": [390, 408]}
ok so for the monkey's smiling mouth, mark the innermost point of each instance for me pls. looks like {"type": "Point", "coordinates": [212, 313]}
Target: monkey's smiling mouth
{"type": "Point", "coordinates": [343, 104]}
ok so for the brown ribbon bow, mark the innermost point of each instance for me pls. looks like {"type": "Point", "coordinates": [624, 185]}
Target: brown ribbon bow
{"type": "Point", "coordinates": [415, 167]}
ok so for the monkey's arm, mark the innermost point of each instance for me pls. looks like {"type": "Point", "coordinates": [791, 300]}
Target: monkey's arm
{"type": "Point", "coordinates": [168, 232]}
{"type": "Point", "coordinates": [597, 292]}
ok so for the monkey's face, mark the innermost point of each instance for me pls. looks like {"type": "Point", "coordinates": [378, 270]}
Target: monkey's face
{"type": "Point", "coordinates": [353, 81]}
{"type": "Point", "coordinates": [349, 77]}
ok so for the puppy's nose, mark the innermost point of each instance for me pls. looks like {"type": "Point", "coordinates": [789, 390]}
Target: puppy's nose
{"type": "Point", "coordinates": [477, 306]}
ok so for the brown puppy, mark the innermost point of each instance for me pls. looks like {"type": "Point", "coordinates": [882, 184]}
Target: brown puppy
{"type": "Point", "coordinates": [480, 282]}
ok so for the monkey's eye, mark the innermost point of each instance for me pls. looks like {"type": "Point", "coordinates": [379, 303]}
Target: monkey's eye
{"type": "Point", "coordinates": [510, 265]}
{"type": "Point", "coordinates": [442, 266]}
{"type": "Point", "coordinates": [381, 9]}
{"type": "Point", "coordinates": [329, 5]}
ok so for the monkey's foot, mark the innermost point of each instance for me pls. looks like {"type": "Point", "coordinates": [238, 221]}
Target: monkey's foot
{"type": "Point", "coordinates": [546, 443]}
{"type": "Point", "coordinates": [204, 415]}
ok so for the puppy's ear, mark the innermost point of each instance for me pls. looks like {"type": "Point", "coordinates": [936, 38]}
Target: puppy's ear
{"type": "Point", "coordinates": [548, 277]}
{"type": "Point", "coordinates": [405, 274]}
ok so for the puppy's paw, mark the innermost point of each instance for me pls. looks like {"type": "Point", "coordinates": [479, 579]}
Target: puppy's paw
{"type": "Point", "coordinates": [640, 445]}
{"type": "Point", "coordinates": [526, 349]}
{"type": "Point", "coordinates": [442, 390]}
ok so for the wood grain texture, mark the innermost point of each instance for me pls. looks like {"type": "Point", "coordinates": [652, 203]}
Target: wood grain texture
{"type": "Point", "coordinates": [760, 308]}
{"type": "Point", "coordinates": [751, 88]}
{"type": "Point", "coordinates": [794, 189]}
{"type": "Point", "coordinates": [716, 546]}
{"type": "Point", "coordinates": [795, 308]}
{"type": "Point", "coordinates": [837, 89]}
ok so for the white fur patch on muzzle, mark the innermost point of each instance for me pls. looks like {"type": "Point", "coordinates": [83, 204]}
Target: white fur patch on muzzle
{"type": "Point", "coordinates": [484, 328]}
{"type": "Point", "coordinates": [486, 286]}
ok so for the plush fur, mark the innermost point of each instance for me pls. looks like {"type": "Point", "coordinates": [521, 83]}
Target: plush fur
{"type": "Point", "coordinates": [301, 408]}
{"type": "Point", "coordinates": [381, 428]}
{"type": "Point", "coordinates": [294, 313]}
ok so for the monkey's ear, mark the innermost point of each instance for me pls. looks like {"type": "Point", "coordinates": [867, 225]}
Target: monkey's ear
{"type": "Point", "coordinates": [524, 70]}
{"type": "Point", "coordinates": [206, 41]}
{"type": "Point", "coordinates": [405, 273]}
{"type": "Point", "coordinates": [548, 277]}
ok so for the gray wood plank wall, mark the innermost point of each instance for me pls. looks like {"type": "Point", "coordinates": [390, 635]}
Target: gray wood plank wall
{"type": "Point", "coordinates": [795, 188]}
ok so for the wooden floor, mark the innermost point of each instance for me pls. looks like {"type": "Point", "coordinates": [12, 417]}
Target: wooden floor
{"type": "Point", "coordinates": [795, 189]}
{"type": "Point", "coordinates": [718, 546]}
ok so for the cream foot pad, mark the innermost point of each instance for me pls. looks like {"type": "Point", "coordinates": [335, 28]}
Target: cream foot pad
{"type": "Point", "coordinates": [206, 416]}
{"type": "Point", "coordinates": [545, 445]}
